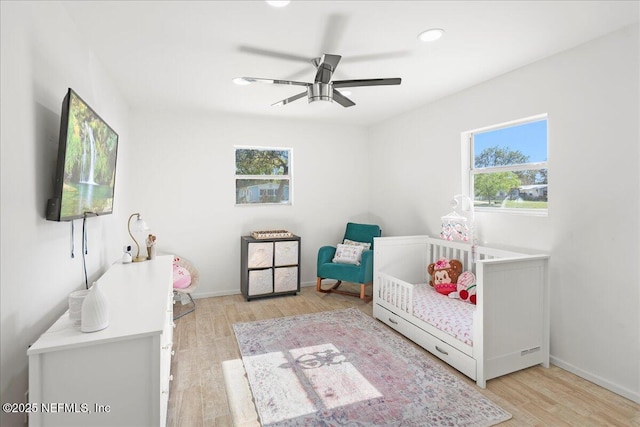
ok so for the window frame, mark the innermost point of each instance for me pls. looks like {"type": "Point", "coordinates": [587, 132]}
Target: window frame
{"type": "Point", "coordinates": [288, 177]}
{"type": "Point", "coordinates": [469, 171]}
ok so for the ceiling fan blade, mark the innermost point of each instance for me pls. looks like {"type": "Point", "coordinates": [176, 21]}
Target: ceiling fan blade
{"type": "Point", "coordinates": [330, 60]}
{"type": "Point", "coordinates": [274, 81]}
{"type": "Point", "coordinates": [333, 32]}
{"type": "Point", "coordinates": [377, 56]}
{"type": "Point", "coordinates": [298, 74]}
{"type": "Point", "coordinates": [290, 99]}
{"type": "Point", "coordinates": [327, 66]}
{"type": "Point", "coordinates": [342, 100]}
{"type": "Point", "coordinates": [367, 82]}
{"type": "Point", "coordinates": [273, 54]}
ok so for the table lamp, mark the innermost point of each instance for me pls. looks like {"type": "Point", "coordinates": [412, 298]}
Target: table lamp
{"type": "Point", "coordinates": [138, 226]}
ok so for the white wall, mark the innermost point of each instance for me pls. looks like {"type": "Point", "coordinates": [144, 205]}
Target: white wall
{"type": "Point", "coordinates": [41, 57]}
{"type": "Point", "coordinates": [185, 187]}
{"type": "Point", "coordinates": [590, 94]}
{"type": "Point", "coordinates": [177, 170]}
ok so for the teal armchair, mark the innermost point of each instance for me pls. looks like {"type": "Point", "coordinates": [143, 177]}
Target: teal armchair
{"type": "Point", "coordinates": [361, 274]}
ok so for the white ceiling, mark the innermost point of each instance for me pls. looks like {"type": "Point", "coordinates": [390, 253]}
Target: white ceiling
{"type": "Point", "coordinates": [184, 54]}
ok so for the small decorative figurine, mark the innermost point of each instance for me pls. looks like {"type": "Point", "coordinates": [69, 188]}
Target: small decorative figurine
{"type": "Point", "coordinates": [151, 248]}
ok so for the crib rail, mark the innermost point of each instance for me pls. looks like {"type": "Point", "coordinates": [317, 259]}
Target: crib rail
{"type": "Point", "coordinates": [394, 294]}
{"type": "Point", "coordinates": [464, 252]}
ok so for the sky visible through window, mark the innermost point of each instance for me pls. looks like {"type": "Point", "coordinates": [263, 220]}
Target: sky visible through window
{"type": "Point", "coordinates": [528, 138]}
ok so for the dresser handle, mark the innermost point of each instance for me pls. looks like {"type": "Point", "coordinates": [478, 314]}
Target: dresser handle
{"type": "Point", "coordinates": [442, 351]}
{"type": "Point", "coordinates": [170, 377]}
{"type": "Point", "coordinates": [392, 321]}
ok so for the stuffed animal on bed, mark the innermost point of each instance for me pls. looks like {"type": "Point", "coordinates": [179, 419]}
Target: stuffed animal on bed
{"type": "Point", "coordinates": [444, 275]}
{"type": "Point", "coordinates": [466, 288]}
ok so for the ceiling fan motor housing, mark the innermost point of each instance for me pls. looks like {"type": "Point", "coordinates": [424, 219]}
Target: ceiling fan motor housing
{"type": "Point", "coordinates": [320, 92]}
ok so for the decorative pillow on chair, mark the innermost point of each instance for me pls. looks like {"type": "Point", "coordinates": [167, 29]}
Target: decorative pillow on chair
{"type": "Point", "coordinates": [181, 277]}
{"type": "Point", "coordinates": [366, 246]}
{"type": "Point", "coordinates": [348, 254]}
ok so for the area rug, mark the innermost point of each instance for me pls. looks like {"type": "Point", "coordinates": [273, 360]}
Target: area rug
{"type": "Point", "coordinates": [343, 368]}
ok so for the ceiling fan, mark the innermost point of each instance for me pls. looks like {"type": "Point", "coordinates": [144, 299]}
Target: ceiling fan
{"type": "Point", "coordinates": [322, 88]}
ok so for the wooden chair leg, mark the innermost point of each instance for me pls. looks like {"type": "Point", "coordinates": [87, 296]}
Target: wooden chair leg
{"type": "Point", "coordinates": [326, 291]}
{"type": "Point", "coordinates": [363, 295]}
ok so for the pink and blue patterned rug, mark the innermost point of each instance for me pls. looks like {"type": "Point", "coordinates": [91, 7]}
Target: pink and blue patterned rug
{"type": "Point", "coordinates": [343, 368]}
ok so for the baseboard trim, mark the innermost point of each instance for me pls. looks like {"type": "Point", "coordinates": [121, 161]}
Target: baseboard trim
{"type": "Point", "coordinates": [615, 388]}
{"type": "Point", "coordinates": [236, 292]}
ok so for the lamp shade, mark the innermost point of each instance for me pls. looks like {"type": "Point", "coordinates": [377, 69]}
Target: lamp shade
{"type": "Point", "coordinates": [139, 225]}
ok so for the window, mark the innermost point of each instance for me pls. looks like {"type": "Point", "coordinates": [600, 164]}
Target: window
{"type": "Point", "coordinates": [263, 175]}
{"type": "Point", "coordinates": [507, 167]}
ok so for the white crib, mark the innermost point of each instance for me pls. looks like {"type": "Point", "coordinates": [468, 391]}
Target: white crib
{"type": "Point", "coordinates": [511, 319]}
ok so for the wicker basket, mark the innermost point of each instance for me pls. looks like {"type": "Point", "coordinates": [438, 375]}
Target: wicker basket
{"type": "Point", "coordinates": [270, 234]}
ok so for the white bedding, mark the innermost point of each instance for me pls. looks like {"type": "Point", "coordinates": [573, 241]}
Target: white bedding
{"type": "Point", "coordinates": [449, 315]}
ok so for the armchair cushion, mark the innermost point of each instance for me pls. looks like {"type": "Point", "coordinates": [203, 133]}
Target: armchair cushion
{"type": "Point", "coordinates": [365, 245]}
{"type": "Point", "coordinates": [352, 273]}
{"type": "Point", "coordinates": [348, 254]}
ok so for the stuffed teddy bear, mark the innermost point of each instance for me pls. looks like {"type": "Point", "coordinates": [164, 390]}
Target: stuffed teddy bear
{"type": "Point", "coordinates": [466, 288]}
{"type": "Point", "coordinates": [444, 275]}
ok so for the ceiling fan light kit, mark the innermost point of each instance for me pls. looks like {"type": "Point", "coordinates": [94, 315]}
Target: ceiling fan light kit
{"type": "Point", "coordinates": [241, 81]}
{"type": "Point", "coordinates": [320, 92]}
{"type": "Point", "coordinates": [322, 89]}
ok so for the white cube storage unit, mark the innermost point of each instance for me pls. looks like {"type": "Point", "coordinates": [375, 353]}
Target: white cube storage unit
{"type": "Point", "coordinates": [118, 376]}
{"type": "Point", "coordinates": [269, 266]}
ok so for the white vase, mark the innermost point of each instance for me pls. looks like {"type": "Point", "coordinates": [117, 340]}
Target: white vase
{"type": "Point", "coordinates": [95, 310]}
{"type": "Point", "coordinates": [76, 299]}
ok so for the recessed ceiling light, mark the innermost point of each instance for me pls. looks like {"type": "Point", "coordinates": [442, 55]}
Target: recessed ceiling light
{"type": "Point", "coordinates": [431, 35]}
{"type": "Point", "coordinates": [241, 81]}
{"type": "Point", "coordinates": [282, 3]}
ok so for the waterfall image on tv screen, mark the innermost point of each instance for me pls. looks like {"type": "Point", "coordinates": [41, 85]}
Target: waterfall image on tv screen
{"type": "Point", "coordinates": [89, 162]}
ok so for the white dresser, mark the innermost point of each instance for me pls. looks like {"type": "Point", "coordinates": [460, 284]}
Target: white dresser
{"type": "Point", "coordinates": [118, 376]}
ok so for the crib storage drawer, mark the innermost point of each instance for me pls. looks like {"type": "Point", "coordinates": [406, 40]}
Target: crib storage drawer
{"type": "Point", "coordinates": [451, 355]}
{"type": "Point", "coordinates": [435, 346]}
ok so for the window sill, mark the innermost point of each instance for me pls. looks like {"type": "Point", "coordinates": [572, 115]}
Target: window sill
{"type": "Point", "coordinates": [511, 211]}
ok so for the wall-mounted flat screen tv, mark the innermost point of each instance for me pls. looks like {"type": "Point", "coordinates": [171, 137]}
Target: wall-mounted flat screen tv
{"type": "Point", "coordinates": [86, 167]}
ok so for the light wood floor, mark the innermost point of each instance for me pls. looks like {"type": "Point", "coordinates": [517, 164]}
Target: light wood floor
{"type": "Point", "coordinates": [204, 339]}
